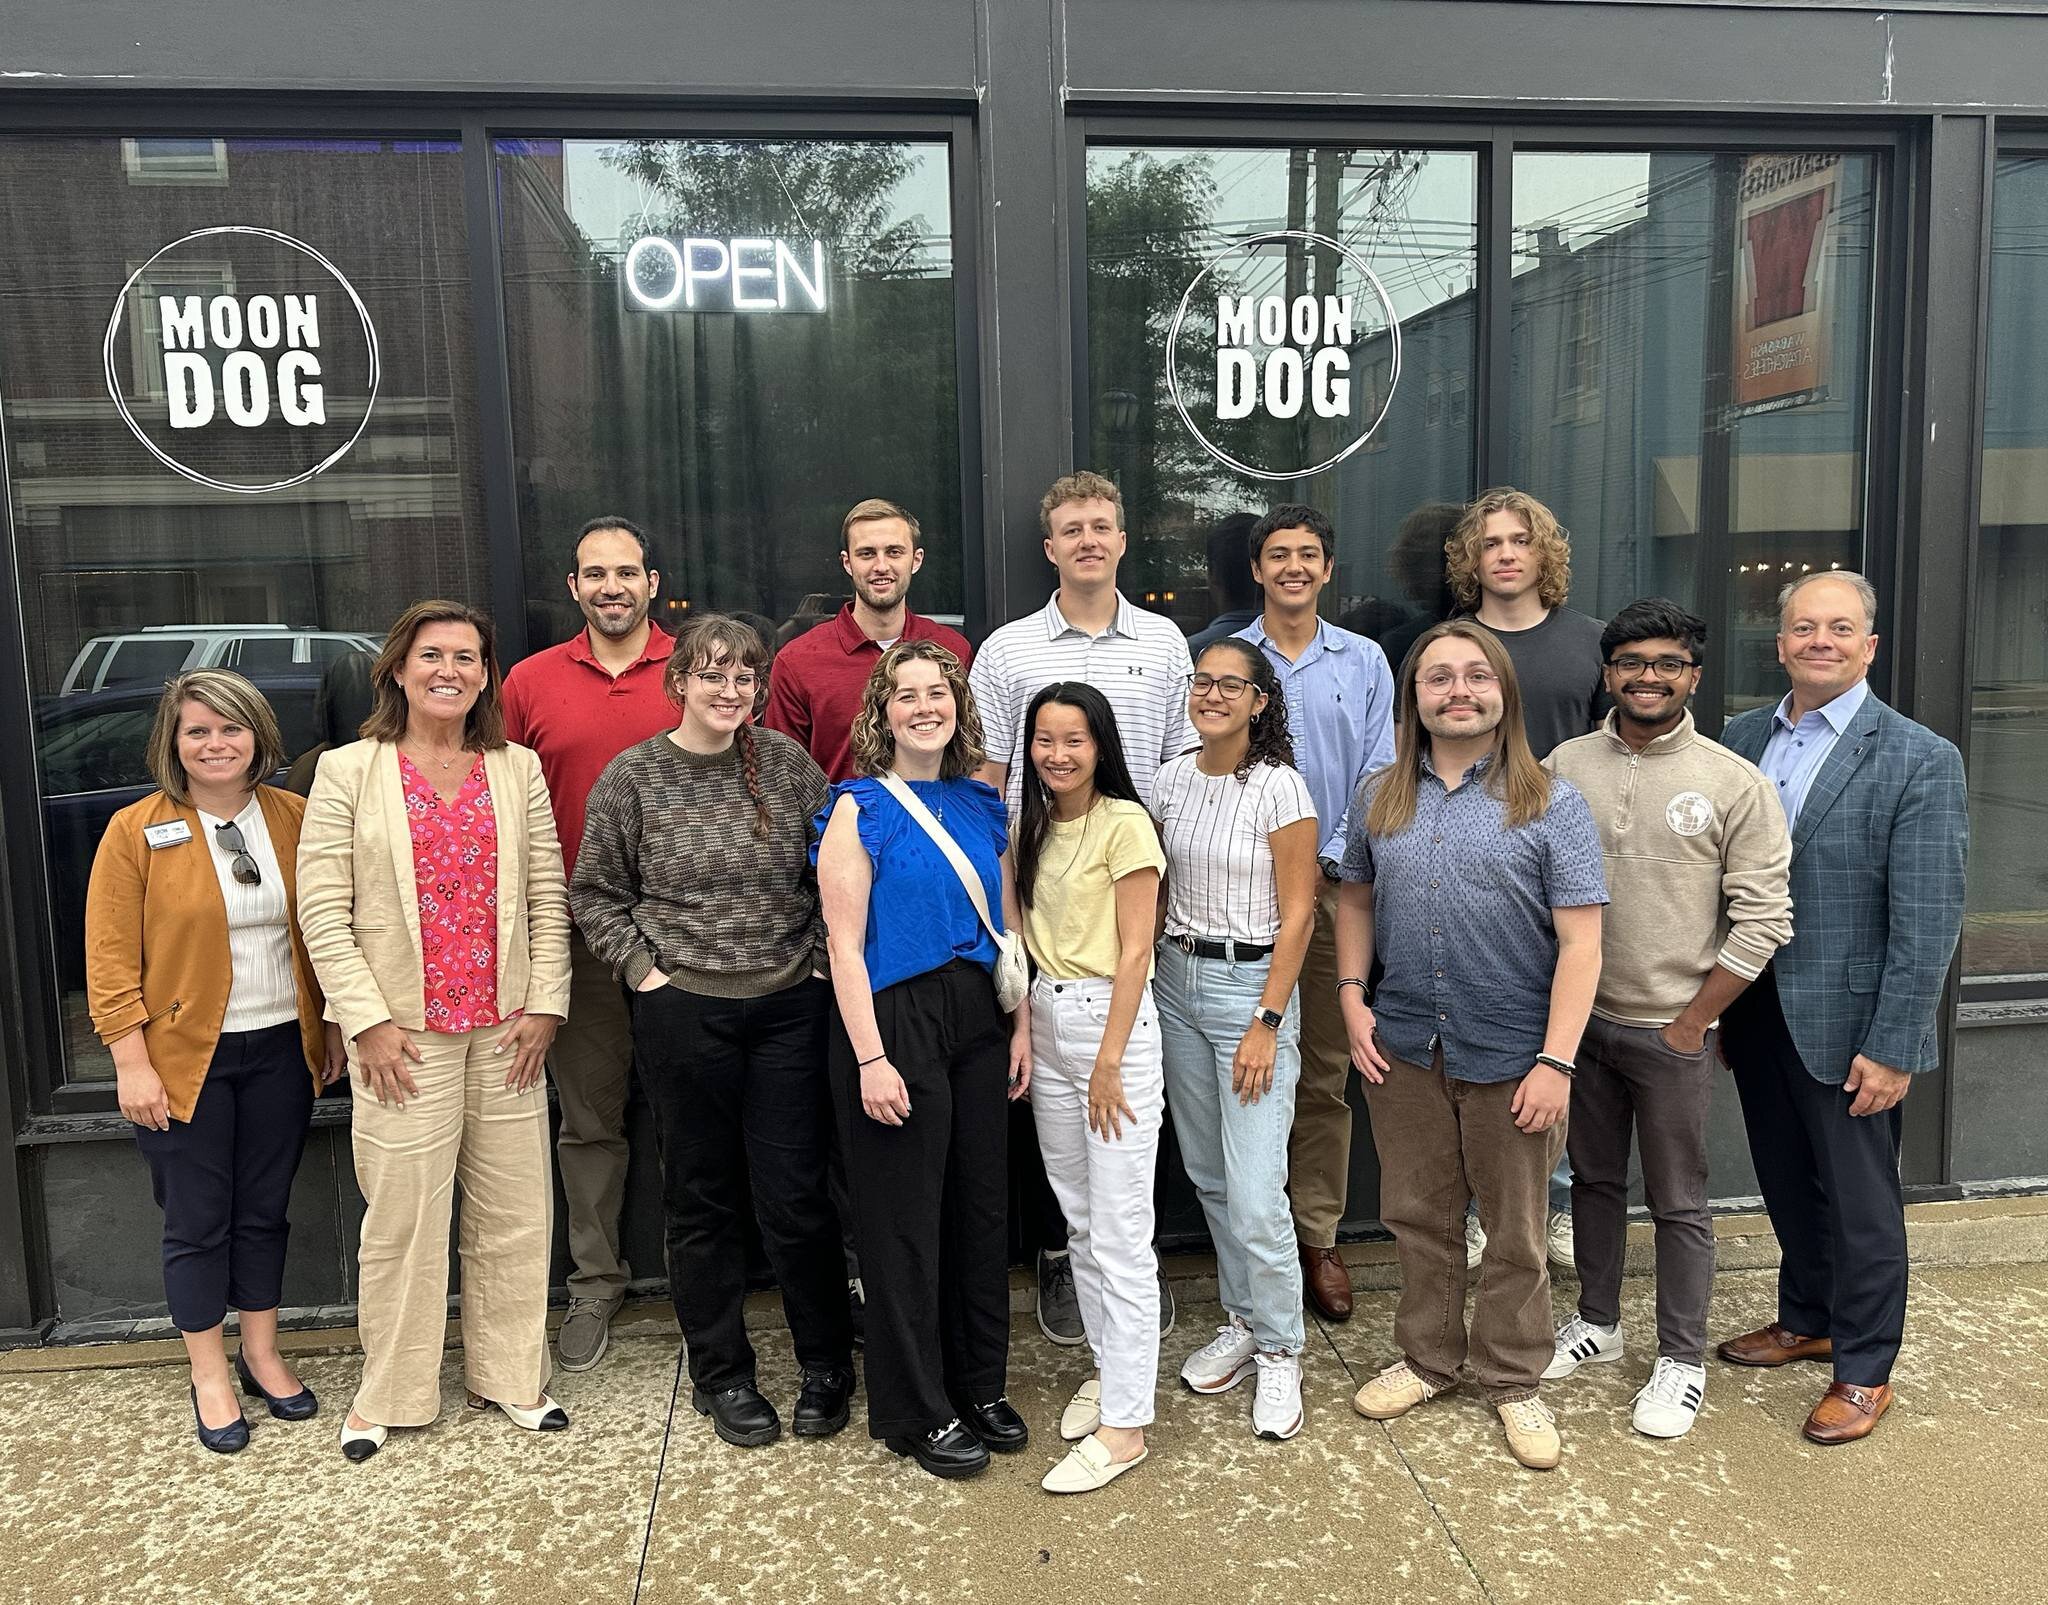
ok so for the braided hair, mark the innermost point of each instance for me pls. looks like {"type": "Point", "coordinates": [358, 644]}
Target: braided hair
{"type": "Point", "coordinates": [1271, 741]}
{"type": "Point", "coordinates": [718, 641]}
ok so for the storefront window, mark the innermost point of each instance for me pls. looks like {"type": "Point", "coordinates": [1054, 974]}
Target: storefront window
{"type": "Point", "coordinates": [253, 456]}
{"type": "Point", "coordinates": [1690, 383]}
{"type": "Point", "coordinates": [731, 342]}
{"type": "Point", "coordinates": [1375, 371]}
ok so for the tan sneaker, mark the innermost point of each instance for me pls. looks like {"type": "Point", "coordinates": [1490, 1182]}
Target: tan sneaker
{"type": "Point", "coordinates": [1394, 1392]}
{"type": "Point", "coordinates": [1532, 1433]}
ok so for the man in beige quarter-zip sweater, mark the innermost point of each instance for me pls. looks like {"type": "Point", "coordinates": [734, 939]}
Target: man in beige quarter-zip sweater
{"type": "Point", "coordinates": [1698, 863]}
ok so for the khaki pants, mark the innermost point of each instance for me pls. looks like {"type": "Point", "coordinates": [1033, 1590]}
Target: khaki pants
{"type": "Point", "coordinates": [592, 1059]}
{"type": "Point", "coordinates": [1443, 1143]}
{"type": "Point", "coordinates": [1319, 1150]}
{"type": "Point", "coordinates": [464, 1125]}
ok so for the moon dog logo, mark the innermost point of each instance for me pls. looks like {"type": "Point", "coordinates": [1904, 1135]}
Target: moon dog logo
{"type": "Point", "coordinates": [240, 374]}
{"type": "Point", "coordinates": [1287, 400]}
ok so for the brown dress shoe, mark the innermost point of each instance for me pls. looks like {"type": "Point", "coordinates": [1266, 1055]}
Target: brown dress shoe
{"type": "Point", "coordinates": [1847, 1412]}
{"type": "Point", "coordinates": [1327, 1281]}
{"type": "Point", "coordinates": [1774, 1345]}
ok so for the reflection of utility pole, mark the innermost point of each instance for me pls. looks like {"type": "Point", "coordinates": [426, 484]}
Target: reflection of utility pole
{"type": "Point", "coordinates": [1319, 434]}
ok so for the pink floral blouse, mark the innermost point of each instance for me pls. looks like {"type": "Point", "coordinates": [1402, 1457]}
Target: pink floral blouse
{"type": "Point", "coordinates": [455, 867]}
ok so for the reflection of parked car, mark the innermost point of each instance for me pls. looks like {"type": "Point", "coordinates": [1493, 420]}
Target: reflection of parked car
{"type": "Point", "coordinates": [91, 750]}
{"type": "Point", "coordinates": [153, 655]}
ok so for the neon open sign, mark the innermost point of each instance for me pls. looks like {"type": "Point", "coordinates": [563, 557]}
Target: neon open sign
{"type": "Point", "coordinates": [735, 275]}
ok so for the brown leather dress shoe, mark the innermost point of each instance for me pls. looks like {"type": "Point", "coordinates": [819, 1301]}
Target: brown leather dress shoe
{"type": "Point", "coordinates": [1774, 1345]}
{"type": "Point", "coordinates": [1327, 1281]}
{"type": "Point", "coordinates": [1847, 1412]}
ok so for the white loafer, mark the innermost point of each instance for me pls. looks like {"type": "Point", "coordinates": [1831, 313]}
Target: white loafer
{"type": "Point", "coordinates": [360, 1444]}
{"type": "Point", "coordinates": [1084, 1413]}
{"type": "Point", "coordinates": [547, 1416]}
{"type": "Point", "coordinates": [1087, 1468]}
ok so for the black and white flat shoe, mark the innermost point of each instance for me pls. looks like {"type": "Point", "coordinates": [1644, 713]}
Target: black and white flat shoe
{"type": "Point", "coordinates": [547, 1416]}
{"type": "Point", "coordinates": [359, 1443]}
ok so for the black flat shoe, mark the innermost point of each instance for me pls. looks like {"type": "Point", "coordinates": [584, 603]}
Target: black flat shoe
{"type": "Point", "coordinates": [230, 1439]}
{"type": "Point", "coordinates": [951, 1451]}
{"type": "Point", "coordinates": [739, 1415]}
{"type": "Point", "coordinates": [300, 1406]}
{"type": "Point", "coordinates": [996, 1424]}
{"type": "Point", "coordinates": [824, 1405]}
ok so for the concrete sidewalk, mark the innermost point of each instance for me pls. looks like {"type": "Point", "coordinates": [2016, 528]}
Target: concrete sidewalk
{"type": "Point", "coordinates": [104, 1495]}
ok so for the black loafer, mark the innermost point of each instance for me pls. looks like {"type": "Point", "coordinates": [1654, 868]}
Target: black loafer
{"type": "Point", "coordinates": [739, 1415]}
{"type": "Point", "coordinates": [824, 1404]}
{"type": "Point", "coordinates": [300, 1406]}
{"type": "Point", "coordinates": [227, 1440]}
{"type": "Point", "coordinates": [951, 1451]}
{"type": "Point", "coordinates": [996, 1424]}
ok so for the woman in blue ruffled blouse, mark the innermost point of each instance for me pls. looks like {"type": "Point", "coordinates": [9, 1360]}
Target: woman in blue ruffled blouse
{"type": "Point", "coordinates": [923, 1063]}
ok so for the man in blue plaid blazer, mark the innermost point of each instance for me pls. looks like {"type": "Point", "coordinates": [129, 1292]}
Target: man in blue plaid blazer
{"type": "Point", "coordinates": [1826, 1043]}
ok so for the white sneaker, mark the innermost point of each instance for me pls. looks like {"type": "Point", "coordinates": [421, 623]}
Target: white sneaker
{"type": "Point", "coordinates": [1475, 1242]}
{"type": "Point", "coordinates": [1223, 1362]}
{"type": "Point", "coordinates": [1580, 1342]}
{"type": "Point", "coordinates": [1276, 1407]}
{"type": "Point", "coordinates": [1557, 1240]}
{"type": "Point", "coordinates": [1670, 1401]}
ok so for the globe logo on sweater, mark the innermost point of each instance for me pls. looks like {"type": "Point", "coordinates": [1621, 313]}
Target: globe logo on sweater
{"type": "Point", "coordinates": [1689, 813]}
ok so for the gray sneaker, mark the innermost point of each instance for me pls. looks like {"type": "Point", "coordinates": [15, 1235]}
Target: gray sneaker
{"type": "Point", "coordinates": [586, 1332]}
{"type": "Point", "coordinates": [1166, 1310]}
{"type": "Point", "coordinates": [1059, 1312]}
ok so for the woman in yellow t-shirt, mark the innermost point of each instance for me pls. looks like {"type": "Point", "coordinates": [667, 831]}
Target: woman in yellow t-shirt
{"type": "Point", "coordinates": [1088, 862]}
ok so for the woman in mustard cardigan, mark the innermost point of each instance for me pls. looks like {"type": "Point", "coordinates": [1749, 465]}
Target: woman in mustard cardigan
{"type": "Point", "coordinates": [200, 987]}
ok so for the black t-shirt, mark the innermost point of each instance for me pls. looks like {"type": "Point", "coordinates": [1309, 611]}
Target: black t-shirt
{"type": "Point", "coordinates": [1557, 663]}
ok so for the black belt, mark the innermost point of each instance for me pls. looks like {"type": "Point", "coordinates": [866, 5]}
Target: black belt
{"type": "Point", "coordinates": [1203, 947]}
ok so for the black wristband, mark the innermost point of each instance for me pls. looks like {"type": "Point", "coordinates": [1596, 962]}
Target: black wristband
{"type": "Point", "coordinates": [877, 1059]}
{"type": "Point", "coordinates": [1564, 1067]}
{"type": "Point", "coordinates": [1364, 991]}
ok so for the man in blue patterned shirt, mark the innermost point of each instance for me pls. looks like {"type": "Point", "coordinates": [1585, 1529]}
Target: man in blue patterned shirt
{"type": "Point", "coordinates": [1479, 878]}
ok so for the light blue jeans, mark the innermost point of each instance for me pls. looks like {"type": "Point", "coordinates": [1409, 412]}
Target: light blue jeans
{"type": "Point", "coordinates": [1236, 1154]}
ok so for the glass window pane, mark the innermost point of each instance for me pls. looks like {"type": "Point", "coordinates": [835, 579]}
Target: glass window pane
{"type": "Point", "coordinates": [1689, 392]}
{"type": "Point", "coordinates": [186, 329]}
{"type": "Point", "coordinates": [1166, 225]}
{"type": "Point", "coordinates": [805, 360]}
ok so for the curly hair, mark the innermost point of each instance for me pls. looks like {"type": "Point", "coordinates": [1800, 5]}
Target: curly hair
{"type": "Point", "coordinates": [710, 641]}
{"type": "Point", "coordinates": [1549, 542]}
{"type": "Point", "coordinates": [1271, 741]}
{"type": "Point", "coordinates": [874, 747]}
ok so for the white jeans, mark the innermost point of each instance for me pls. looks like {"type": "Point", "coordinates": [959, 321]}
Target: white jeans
{"type": "Point", "coordinates": [1104, 1185]}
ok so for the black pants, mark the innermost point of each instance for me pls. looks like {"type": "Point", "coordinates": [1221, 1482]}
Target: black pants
{"type": "Point", "coordinates": [224, 1177]}
{"type": "Point", "coordinates": [739, 1096]}
{"type": "Point", "coordinates": [930, 1197]}
{"type": "Point", "coordinates": [1831, 1183]}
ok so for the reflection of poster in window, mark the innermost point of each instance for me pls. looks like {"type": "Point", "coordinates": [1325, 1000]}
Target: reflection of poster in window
{"type": "Point", "coordinates": [1785, 209]}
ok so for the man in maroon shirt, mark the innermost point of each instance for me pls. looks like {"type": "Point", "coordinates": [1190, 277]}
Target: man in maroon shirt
{"type": "Point", "coordinates": [579, 705]}
{"type": "Point", "coordinates": [814, 688]}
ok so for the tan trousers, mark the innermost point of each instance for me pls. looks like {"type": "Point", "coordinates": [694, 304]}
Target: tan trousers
{"type": "Point", "coordinates": [465, 1126]}
{"type": "Point", "coordinates": [1319, 1148]}
{"type": "Point", "coordinates": [590, 1064]}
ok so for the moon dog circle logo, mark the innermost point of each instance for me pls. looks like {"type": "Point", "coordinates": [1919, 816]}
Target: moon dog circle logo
{"type": "Point", "coordinates": [1287, 395]}
{"type": "Point", "coordinates": [248, 355]}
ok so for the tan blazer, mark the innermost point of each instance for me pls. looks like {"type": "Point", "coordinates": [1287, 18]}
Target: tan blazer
{"type": "Point", "coordinates": [156, 941]}
{"type": "Point", "coordinates": [359, 903]}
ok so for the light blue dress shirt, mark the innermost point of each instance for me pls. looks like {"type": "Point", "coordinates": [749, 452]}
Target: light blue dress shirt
{"type": "Point", "coordinates": [1795, 752]}
{"type": "Point", "coordinates": [1340, 710]}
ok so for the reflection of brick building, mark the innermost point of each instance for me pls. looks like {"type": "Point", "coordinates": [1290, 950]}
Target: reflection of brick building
{"type": "Point", "coordinates": [109, 538]}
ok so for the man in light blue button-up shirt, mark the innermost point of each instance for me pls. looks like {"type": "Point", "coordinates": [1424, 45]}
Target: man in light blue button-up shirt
{"type": "Point", "coordinates": [1799, 746]}
{"type": "Point", "coordinates": [1340, 710]}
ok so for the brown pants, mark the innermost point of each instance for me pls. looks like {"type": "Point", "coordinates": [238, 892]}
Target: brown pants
{"type": "Point", "coordinates": [1443, 1143]}
{"type": "Point", "coordinates": [592, 1058]}
{"type": "Point", "coordinates": [1319, 1148]}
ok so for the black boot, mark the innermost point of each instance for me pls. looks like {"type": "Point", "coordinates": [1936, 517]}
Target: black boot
{"type": "Point", "coordinates": [950, 1451]}
{"type": "Point", "coordinates": [996, 1424]}
{"type": "Point", "coordinates": [739, 1415]}
{"type": "Point", "coordinates": [824, 1404]}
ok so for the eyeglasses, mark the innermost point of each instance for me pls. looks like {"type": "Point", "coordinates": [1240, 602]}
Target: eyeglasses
{"type": "Point", "coordinates": [1629, 666]}
{"type": "Point", "coordinates": [718, 680]}
{"type": "Point", "coordinates": [1441, 680]}
{"type": "Point", "coordinates": [1229, 686]}
{"type": "Point", "coordinates": [245, 867]}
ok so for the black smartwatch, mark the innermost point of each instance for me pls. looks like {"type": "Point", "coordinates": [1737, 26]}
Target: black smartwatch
{"type": "Point", "coordinates": [1268, 1018]}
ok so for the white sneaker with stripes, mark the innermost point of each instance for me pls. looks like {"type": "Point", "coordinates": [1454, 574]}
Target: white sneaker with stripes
{"type": "Point", "coordinates": [1580, 1342]}
{"type": "Point", "coordinates": [1670, 1401]}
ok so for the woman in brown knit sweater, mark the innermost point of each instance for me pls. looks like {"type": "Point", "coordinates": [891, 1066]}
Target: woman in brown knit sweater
{"type": "Point", "coordinates": [694, 883]}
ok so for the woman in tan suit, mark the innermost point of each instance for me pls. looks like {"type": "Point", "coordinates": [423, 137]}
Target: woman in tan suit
{"type": "Point", "coordinates": [200, 988]}
{"type": "Point", "coordinates": [434, 908]}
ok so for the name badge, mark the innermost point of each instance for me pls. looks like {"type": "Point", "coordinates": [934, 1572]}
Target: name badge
{"type": "Point", "coordinates": [166, 835]}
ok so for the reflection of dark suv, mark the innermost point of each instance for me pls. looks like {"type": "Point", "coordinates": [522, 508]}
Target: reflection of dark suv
{"type": "Point", "coordinates": [90, 749]}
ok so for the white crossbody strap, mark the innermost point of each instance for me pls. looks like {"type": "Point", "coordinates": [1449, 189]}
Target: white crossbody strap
{"type": "Point", "coordinates": [914, 806]}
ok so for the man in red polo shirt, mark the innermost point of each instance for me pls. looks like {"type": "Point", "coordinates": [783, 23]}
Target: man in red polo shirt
{"type": "Point", "coordinates": [814, 688]}
{"type": "Point", "coordinates": [579, 705]}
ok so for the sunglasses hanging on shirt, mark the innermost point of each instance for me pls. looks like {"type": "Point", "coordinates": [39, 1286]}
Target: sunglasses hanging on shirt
{"type": "Point", "coordinates": [245, 868]}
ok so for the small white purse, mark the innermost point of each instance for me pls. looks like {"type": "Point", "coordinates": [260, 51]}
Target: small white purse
{"type": "Point", "coordinates": [1013, 968]}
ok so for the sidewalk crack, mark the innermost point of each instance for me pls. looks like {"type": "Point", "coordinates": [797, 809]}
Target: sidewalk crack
{"type": "Point", "coordinates": [668, 1427]}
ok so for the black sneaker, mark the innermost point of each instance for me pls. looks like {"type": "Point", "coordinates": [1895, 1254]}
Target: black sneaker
{"type": "Point", "coordinates": [1166, 1310]}
{"type": "Point", "coordinates": [950, 1451]}
{"type": "Point", "coordinates": [1059, 1312]}
{"type": "Point", "coordinates": [823, 1405]}
{"type": "Point", "coordinates": [739, 1415]}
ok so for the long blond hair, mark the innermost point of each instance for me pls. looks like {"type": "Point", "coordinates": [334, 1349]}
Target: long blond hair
{"type": "Point", "coordinates": [1514, 776]}
{"type": "Point", "coordinates": [1549, 543]}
